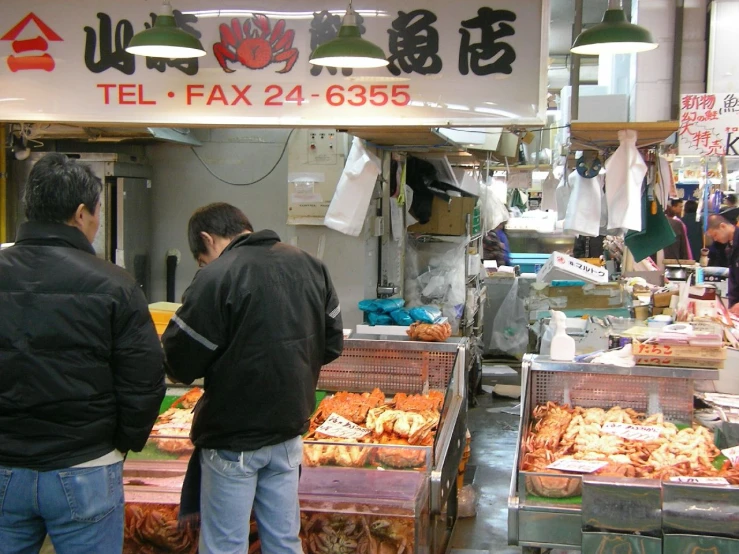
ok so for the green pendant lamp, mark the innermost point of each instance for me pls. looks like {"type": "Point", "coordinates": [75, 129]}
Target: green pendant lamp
{"type": "Point", "coordinates": [349, 49]}
{"type": "Point", "coordinates": [165, 39]}
{"type": "Point", "coordinates": [614, 35]}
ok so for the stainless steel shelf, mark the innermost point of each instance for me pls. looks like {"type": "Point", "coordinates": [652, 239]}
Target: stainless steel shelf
{"type": "Point", "coordinates": [543, 363]}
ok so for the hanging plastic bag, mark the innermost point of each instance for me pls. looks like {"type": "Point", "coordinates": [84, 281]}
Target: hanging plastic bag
{"type": "Point", "coordinates": [402, 317]}
{"type": "Point", "coordinates": [425, 314]}
{"type": "Point", "coordinates": [511, 324]}
{"type": "Point", "coordinates": [348, 208]}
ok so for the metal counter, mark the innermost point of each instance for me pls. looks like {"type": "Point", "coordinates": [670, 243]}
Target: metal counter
{"type": "Point", "coordinates": [615, 514]}
{"type": "Point", "coordinates": [413, 367]}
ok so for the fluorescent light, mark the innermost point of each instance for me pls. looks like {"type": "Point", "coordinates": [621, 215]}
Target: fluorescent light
{"type": "Point", "coordinates": [200, 14]}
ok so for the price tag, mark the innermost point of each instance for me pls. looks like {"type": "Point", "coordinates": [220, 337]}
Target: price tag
{"type": "Point", "coordinates": [700, 480]}
{"type": "Point", "coordinates": [577, 466]}
{"type": "Point", "coordinates": [732, 454]}
{"type": "Point", "coordinates": [337, 426]}
{"type": "Point", "coordinates": [632, 432]}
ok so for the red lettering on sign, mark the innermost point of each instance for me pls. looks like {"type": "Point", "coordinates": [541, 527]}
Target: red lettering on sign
{"type": "Point", "coordinates": [141, 97]}
{"type": "Point", "coordinates": [217, 95]}
{"type": "Point", "coordinates": [106, 92]}
{"type": "Point", "coordinates": [191, 93]}
{"type": "Point", "coordinates": [20, 63]}
{"type": "Point", "coordinates": [39, 44]}
{"type": "Point", "coordinates": [241, 95]}
{"type": "Point", "coordinates": [124, 94]}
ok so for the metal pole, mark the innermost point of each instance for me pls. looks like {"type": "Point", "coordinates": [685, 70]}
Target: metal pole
{"type": "Point", "coordinates": [3, 184]}
{"type": "Point", "coordinates": [575, 69]}
{"type": "Point", "coordinates": [677, 58]}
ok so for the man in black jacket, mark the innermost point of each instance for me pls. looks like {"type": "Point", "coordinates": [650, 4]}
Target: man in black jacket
{"type": "Point", "coordinates": [81, 371]}
{"type": "Point", "coordinates": [257, 322]}
{"type": "Point", "coordinates": [722, 231]}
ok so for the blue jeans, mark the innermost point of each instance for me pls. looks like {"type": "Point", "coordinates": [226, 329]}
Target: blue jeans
{"type": "Point", "coordinates": [234, 481]}
{"type": "Point", "coordinates": [81, 509]}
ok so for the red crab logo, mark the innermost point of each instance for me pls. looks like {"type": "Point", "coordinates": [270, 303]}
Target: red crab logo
{"type": "Point", "coordinates": [256, 48]}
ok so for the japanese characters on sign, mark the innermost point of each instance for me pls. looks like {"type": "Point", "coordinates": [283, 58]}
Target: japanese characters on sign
{"type": "Point", "coordinates": [700, 480]}
{"type": "Point", "coordinates": [577, 466]}
{"type": "Point", "coordinates": [632, 432]}
{"type": "Point", "coordinates": [473, 61]}
{"type": "Point", "coordinates": [337, 426]}
{"type": "Point", "coordinates": [709, 125]}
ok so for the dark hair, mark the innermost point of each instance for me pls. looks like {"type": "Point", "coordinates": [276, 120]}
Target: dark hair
{"type": "Point", "coordinates": [730, 198]}
{"type": "Point", "coordinates": [57, 186]}
{"type": "Point", "coordinates": [219, 219]}
{"type": "Point", "coordinates": [691, 207]}
{"type": "Point", "coordinates": [676, 202]}
{"type": "Point", "coordinates": [715, 221]}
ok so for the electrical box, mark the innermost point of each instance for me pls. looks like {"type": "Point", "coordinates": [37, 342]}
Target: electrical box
{"type": "Point", "coordinates": [316, 160]}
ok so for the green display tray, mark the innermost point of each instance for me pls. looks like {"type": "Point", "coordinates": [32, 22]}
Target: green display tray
{"type": "Point", "coordinates": [151, 452]}
{"type": "Point", "coordinates": [167, 403]}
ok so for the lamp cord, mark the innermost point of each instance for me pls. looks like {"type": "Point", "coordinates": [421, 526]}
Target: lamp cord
{"type": "Point", "coordinates": [262, 178]}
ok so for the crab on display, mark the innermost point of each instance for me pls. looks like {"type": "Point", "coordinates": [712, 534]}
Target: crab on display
{"type": "Point", "coordinates": [324, 533]}
{"type": "Point", "coordinates": [258, 47]}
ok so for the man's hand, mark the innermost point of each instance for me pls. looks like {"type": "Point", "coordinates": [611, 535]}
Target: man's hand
{"type": "Point", "coordinates": [735, 309]}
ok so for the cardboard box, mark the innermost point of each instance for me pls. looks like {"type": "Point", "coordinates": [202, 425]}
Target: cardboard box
{"type": "Point", "coordinates": [657, 350]}
{"type": "Point", "coordinates": [588, 297]}
{"type": "Point", "coordinates": [447, 218]}
{"type": "Point", "coordinates": [563, 267]}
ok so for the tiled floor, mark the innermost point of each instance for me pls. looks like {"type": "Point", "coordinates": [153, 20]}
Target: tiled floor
{"type": "Point", "coordinates": [494, 438]}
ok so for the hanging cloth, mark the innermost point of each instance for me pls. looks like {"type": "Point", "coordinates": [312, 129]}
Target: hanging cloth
{"type": "Point", "coordinates": [625, 172]}
{"type": "Point", "coordinates": [548, 193]}
{"type": "Point", "coordinates": [562, 195]}
{"type": "Point", "coordinates": [584, 208]}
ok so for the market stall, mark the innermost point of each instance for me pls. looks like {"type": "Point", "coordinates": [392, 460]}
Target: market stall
{"type": "Point", "coordinates": [409, 505]}
{"type": "Point", "coordinates": [634, 469]}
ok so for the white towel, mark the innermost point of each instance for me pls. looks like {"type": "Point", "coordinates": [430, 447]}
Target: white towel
{"type": "Point", "coordinates": [625, 172]}
{"type": "Point", "coordinates": [562, 196]}
{"type": "Point", "coordinates": [584, 208]}
{"type": "Point", "coordinates": [549, 193]}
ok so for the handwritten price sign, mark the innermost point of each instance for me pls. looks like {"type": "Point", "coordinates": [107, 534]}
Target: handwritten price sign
{"type": "Point", "coordinates": [654, 350]}
{"type": "Point", "coordinates": [732, 454]}
{"type": "Point", "coordinates": [342, 428]}
{"type": "Point", "coordinates": [700, 480]}
{"type": "Point", "coordinates": [632, 432]}
{"type": "Point", "coordinates": [577, 466]}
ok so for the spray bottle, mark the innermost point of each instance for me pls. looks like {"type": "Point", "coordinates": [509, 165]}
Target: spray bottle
{"type": "Point", "coordinates": [563, 345]}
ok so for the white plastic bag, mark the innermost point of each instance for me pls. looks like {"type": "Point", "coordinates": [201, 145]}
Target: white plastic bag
{"type": "Point", "coordinates": [351, 200]}
{"type": "Point", "coordinates": [511, 324]}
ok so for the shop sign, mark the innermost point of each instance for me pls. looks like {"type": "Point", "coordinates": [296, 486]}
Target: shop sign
{"type": "Point", "coordinates": [337, 426]}
{"type": "Point", "coordinates": [471, 62]}
{"type": "Point", "coordinates": [709, 125]}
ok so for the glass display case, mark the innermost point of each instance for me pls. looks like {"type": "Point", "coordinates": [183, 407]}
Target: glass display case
{"type": "Point", "coordinates": [637, 471]}
{"type": "Point", "coordinates": [364, 511]}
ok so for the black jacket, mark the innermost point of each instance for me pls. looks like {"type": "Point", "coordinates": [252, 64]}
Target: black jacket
{"type": "Point", "coordinates": [257, 323]}
{"type": "Point", "coordinates": [81, 368]}
{"type": "Point", "coordinates": [733, 259]}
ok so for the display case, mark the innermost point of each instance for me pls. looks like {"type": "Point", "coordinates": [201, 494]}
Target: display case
{"type": "Point", "coordinates": [620, 509]}
{"type": "Point", "coordinates": [364, 511]}
{"type": "Point", "coordinates": [393, 498]}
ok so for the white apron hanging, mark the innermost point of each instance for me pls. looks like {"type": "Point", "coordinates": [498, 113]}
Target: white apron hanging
{"type": "Point", "coordinates": [625, 172]}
